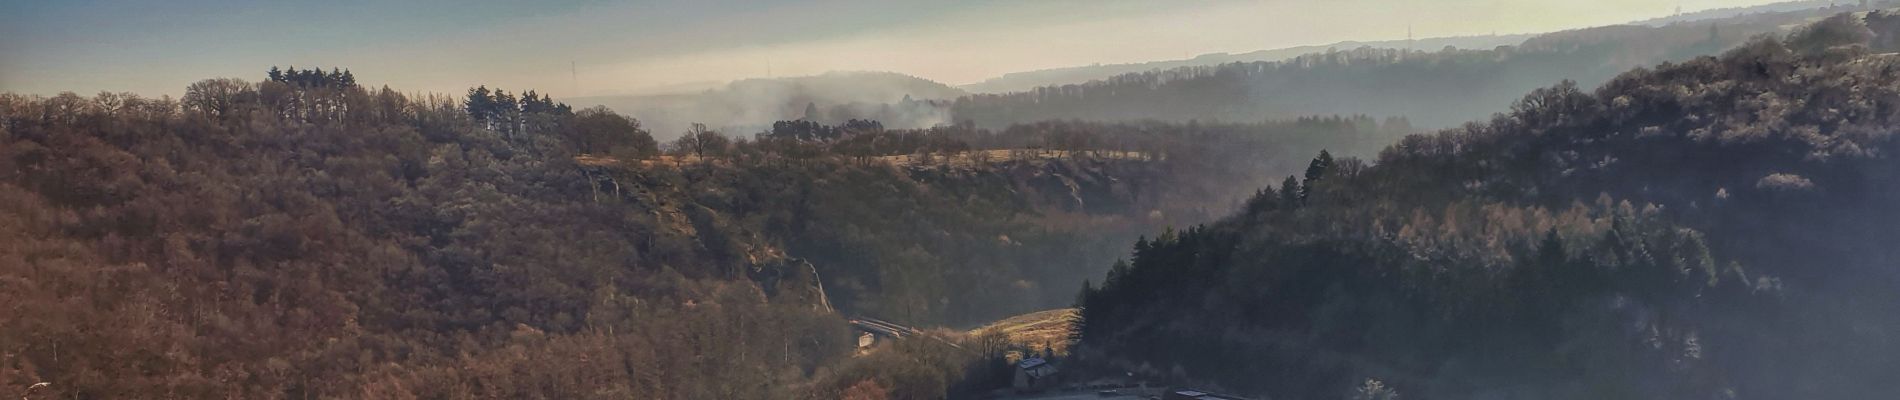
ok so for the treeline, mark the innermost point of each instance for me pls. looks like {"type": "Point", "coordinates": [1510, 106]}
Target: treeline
{"type": "Point", "coordinates": [314, 77]}
{"type": "Point", "coordinates": [531, 113]}
{"type": "Point", "coordinates": [1718, 228]}
{"type": "Point", "coordinates": [1434, 89]}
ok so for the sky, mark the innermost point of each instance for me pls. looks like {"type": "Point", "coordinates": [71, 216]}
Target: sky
{"type": "Point", "coordinates": [571, 48]}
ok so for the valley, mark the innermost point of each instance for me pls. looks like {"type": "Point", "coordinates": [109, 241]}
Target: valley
{"type": "Point", "coordinates": [1694, 205]}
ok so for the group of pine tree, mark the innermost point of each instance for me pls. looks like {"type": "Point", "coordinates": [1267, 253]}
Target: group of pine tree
{"type": "Point", "coordinates": [314, 77]}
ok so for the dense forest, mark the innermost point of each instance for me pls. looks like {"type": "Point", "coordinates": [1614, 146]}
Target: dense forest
{"type": "Point", "coordinates": [1436, 88]}
{"type": "Point", "coordinates": [1699, 210]}
{"type": "Point", "coordinates": [306, 236]}
{"type": "Point", "coordinates": [1716, 228]}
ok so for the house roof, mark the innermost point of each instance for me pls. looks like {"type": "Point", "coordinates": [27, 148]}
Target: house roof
{"type": "Point", "coordinates": [1200, 395]}
{"type": "Point", "coordinates": [1036, 367]}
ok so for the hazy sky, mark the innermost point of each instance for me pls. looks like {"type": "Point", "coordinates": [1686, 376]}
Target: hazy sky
{"type": "Point", "coordinates": [158, 47]}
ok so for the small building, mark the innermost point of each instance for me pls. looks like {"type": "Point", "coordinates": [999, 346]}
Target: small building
{"type": "Point", "coordinates": [866, 340]}
{"type": "Point", "coordinates": [1184, 394]}
{"type": "Point", "coordinates": [1034, 373]}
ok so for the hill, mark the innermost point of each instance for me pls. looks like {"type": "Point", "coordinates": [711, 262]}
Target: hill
{"type": "Point", "coordinates": [1433, 89]}
{"type": "Point", "coordinates": [1029, 80]}
{"type": "Point", "coordinates": [1787, 6]}
{"type": "Point", "coordinates": [1716, 228]}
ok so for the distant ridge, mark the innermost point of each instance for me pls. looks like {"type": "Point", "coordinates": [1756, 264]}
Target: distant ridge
{"type": "Point", "coordinates": [1027, 80]}
{"type": "Point", "coordinates": [1021, 81]}
{"type": "Point", "coordinates": [1765, 8]}
{"type": "Point", "coordinates": [1383, 82]}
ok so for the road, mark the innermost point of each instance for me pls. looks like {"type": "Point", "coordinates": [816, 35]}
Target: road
{"type": "Point", "coordinates": [1080, 395]}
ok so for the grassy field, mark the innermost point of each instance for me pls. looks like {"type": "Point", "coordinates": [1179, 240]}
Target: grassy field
{"type": "Point", "coordinates": [1039, 329]}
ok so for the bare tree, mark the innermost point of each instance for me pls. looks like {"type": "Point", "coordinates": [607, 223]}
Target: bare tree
{"type": "Point", "coordinates": [218, 97]}
{"type": "Point", "coordinates": [702, 142]}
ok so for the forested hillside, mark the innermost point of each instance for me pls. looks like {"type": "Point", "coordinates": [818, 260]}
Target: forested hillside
{"type": "Point", "coordinates": [1433, 88]}
{"type": "Point", "coordinates": [306, 236]}
{"type": "Point", "coordinates": [1716, 228]}
{"type": "Point", "coordinates": [312, 238]}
